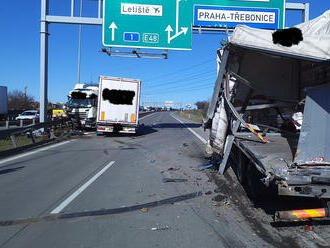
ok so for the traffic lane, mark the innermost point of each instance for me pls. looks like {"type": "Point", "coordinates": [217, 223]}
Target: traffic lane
{"type": "Point", "coordinates": [137, 176]}
{"type": "Point", "coordinates": [44, 179]}
{"type": "Point", "coordinates": [178, 225]}
{"type": "Point", "coordinates": [193, 221]}
{"type": "Point", "coordinates": [203, 220]}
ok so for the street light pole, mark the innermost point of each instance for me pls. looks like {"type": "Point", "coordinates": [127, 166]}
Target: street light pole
{"type": "Point", "coordinates": [79, 46]}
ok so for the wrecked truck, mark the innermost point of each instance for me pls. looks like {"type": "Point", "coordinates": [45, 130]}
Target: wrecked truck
{"type": "Point", "coordinates": [270, 111]}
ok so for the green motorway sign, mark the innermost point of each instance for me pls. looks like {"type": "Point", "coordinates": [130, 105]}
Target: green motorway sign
{"type": "Point", "coordinates": [156, 24]}
{"type": "Point", "coordinates": [167, 24]}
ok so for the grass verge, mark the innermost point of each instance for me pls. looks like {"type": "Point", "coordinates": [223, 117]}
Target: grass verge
{"type": "Point", "coordinates": [194, 115]}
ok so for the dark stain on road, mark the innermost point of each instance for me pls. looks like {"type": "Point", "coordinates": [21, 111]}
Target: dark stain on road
{"type": "Point", "coordinates": [63, 216]}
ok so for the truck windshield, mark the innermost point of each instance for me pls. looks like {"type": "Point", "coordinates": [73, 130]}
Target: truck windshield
{"type": "Point", "coordinates": [81, 103]}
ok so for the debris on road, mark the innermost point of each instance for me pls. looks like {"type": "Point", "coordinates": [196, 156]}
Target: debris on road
{"type": "Point", "coordinates": [208, 165]}
{"type": "Point", "coordinates": [173, 169]}
{"type": "Point", "coordinates": [144, 210]}
{"type": "Point", "coordinates": [208, 192]}
{"type": "Point", "coordinates": [159, 228]}
{"type": "Point", "coordinates": [309, 228]}
{"type": "Point", "coordinates": [152, 161]}
{"type": "Point", "coordinates": [174, 180]}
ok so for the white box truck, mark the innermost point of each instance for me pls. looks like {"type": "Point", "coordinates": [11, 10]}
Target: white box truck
{"type": "Point", "coordinates": [118, 106]}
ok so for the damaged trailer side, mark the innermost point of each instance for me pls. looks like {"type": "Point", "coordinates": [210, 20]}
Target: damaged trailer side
{"type": "Point", "coordinates": [270, 109]}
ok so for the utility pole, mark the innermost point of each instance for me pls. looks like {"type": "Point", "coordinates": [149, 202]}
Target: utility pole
{"type": "Point", "coordinates": [79, 46]}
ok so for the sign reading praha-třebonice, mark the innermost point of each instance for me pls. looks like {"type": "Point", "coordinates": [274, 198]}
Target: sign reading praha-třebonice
{"type": "Point", "coordinates": [266, 14]}
{"type": "Point", "coordinates": [167, 24]}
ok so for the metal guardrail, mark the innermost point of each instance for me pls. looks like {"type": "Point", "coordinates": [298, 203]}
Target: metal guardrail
{"type": "Point", "coordinates": [46, 129]}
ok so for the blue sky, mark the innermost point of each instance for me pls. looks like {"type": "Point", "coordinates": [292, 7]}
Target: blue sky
{"type": "Point", "coordinates": [186, 77]}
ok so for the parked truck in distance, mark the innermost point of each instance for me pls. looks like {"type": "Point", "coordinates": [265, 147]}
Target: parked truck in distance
{"type": "Point", "coordinates": [82, 105]}
{"type": "Point", "coordinates": [118, 105]}
{"type": "Point", "coordinates": [3, 102]}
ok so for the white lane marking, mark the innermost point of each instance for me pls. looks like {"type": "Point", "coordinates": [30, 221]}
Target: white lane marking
{"type": "Point", "coordinates": [147, 116]}
{"type": "Point", "coordinates": [80, 190]}
{"type": "Point", "coordinates": [196, 134]}
{"type": "Point", "coordinates": [33, 152]}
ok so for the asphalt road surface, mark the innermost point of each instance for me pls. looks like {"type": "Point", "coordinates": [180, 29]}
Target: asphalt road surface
{"type": "Point", "coordinates": [96, 174]}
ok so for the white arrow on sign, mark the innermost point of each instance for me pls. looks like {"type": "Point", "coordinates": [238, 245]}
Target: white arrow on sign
{"type": "Point", "coordinates": [113, 26]}
{"type": "Point", "coordinates": [169, 29]}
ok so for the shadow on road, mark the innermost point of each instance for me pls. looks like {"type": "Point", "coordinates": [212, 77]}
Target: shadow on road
{"type": "Point", "coordinates": [6, 171]}
{"type": "Point", "coordinates": [141, 131]}
{"type": "Point", "coordinates": [176, 125]}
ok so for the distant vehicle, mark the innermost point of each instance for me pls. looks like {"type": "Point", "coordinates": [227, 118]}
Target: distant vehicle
{"type": "Point", "coordinates": [3, 102]}
{"type": "Point", "coordinates": [82, 105]}
{"type": "Point", "coordinates": [28, 115]}
{"type": "Point", "coordinates": [59, 111]}
{"type": "Point", "coordinates": [118, 107]}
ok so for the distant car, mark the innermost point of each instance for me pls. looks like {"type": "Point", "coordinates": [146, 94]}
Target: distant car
{"type": "Point", "coordinates": [28, 115]}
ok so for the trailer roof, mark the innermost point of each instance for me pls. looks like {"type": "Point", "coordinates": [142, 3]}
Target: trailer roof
{"type": "Point", "coordinates": [315, 44]}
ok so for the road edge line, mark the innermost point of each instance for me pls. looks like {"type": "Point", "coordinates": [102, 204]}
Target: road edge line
{"type": "Point", "coordinates": [204, 141]}
{"type": "Point", "coordinates": [5, 160]}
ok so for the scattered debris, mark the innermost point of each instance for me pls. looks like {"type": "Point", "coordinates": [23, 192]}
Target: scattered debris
{"type": "Point", "coordinates": [219, 197]}
{"type": "Point", "coordinates": [198, 178]}
{"type": "Point", "coordinates": [152, 161]}
{"type": "Point", "coordinates": [174, 180]}
{"type": "Point", "coordinates": [218, 190]}
{"type": "Point", "coordinates": [144, 210]}
{"type": "Point", "coordinates": [160, 227]}
{"type": "Point", "coordinates": [203, 167]}
{"type": "Point", "coordinates": [208, 192]}
{"type": "Point", "coordinates": [309, 228]}
{"type": "Point", "coordinates": [185, 144]}
{"type": "Point", "coordinates": [173, 169]}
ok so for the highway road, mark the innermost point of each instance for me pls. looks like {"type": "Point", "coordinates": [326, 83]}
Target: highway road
{"type": "Point", "coordinates": [96, 174]}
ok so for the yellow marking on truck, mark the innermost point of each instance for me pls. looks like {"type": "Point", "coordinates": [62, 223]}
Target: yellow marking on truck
{"type": "Point", "coordinates": [133, 118]}
{"type": "Point", "coordinates": [102, 115]}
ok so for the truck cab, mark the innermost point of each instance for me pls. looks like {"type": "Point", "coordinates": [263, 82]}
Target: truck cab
{"type": "Point", "coordinates": [82, 105]}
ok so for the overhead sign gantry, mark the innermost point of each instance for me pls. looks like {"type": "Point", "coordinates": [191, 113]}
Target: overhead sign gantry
{"type": "Point", "coordinates": [171, 40]}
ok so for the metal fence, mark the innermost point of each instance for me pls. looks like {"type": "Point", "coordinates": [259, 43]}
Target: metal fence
{"type": "Point", "coordinates": [33, 134]}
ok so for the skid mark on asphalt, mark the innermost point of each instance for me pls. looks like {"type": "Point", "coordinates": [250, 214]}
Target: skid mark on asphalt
{"type": "Point", "coordinates": [63, 216]}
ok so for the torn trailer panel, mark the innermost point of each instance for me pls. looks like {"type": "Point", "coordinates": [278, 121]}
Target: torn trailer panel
{"type": "Point", "coordinates": [270, 106]}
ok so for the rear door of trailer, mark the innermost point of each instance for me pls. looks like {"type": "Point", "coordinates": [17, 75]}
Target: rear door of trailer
{"type": "Point", "coordinates": [118, 101]}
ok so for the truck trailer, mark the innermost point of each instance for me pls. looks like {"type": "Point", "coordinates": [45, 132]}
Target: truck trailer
{"type": "Point", "coordinates": [269, 117]}
{"type": "Point", "coordinates": [3, 102]}
{"type": "Point", "coordinates": [118, 105]}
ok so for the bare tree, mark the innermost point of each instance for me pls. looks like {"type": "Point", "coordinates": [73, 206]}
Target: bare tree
{"type": "Point", "coordinates": [202, 106]}
{"type": "Point", "coordinates": [17, 100]}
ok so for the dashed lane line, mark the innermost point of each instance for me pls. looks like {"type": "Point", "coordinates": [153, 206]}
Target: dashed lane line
{"type": "Point", "coordinates": [68, 200]}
